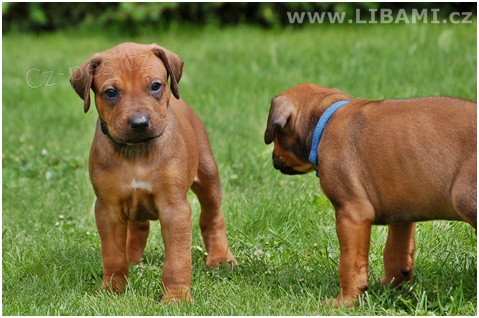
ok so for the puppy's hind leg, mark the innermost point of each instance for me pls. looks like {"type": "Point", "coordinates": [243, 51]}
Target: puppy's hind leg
{"type": "Point", "coordinates": [464, 192]}
{"type": "Point", "coordinates": [399, 253]}
{"type": "Point", "coordinates": [207, 188]}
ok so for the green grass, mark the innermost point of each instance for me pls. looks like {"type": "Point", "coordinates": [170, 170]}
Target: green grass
{"type": "Point", "coordinates": [51, 250]}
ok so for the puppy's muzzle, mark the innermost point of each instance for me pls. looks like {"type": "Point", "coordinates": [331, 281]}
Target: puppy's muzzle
{"type": "Point", "coordinates": [140, 130]}
{"type": "Point", "coordinates": [279, 165]}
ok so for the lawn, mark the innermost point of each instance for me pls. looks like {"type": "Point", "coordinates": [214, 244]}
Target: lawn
{"type": "Point", "coordinates": [281, 228]}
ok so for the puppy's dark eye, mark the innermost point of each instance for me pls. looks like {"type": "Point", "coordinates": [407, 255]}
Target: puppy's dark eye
{"type": "Point", "coordinates": [156, 86]}
{"type": "Point", "coordinates": [111, 93]}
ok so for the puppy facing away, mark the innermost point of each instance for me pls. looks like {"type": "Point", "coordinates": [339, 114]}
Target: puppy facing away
{"type": "Point", "coordinates": [389, 162]}
{"type": "Point", "coordinates": [149, 149]}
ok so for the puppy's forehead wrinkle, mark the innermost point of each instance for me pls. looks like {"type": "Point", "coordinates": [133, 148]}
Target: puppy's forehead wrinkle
{"type": "Point", "coordinates": [139, 59]}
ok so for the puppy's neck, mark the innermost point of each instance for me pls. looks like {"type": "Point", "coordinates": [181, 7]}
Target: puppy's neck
{"type": "Point", "coordinates": [319, 128]}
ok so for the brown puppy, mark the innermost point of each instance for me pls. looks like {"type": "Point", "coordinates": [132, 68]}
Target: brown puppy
{"type": "Point", "coordinates": [149, 149]}
{"type": "Point", "coordinates": [389, 162]}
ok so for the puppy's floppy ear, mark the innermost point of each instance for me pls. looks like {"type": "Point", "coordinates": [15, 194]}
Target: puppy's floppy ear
{"type": "Point", "coordinates": [280, 112]}
{"type": "Point", "coordinates": [174, 67]}
{"type": "Point", "coordinates": [82, 79]}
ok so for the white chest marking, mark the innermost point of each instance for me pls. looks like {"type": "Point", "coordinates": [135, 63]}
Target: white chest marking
{"type": "Point", "coordinates": [141, 185]}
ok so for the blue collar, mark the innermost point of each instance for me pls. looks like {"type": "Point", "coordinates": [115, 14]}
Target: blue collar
{"type": "Point", "coordinates": [318, 131]}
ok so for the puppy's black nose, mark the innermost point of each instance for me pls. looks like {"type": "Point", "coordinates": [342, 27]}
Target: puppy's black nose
{"type": "Point", "coordinates": [139, 123]}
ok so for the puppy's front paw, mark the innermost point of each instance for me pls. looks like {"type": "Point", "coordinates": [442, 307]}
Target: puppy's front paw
{"type": "Point", "coordinates": [346, 301]}
{"type": "Point", "coordinates": [112, 285]}
{"type": "Point", "coordinates": [175, 295]}
{"type": "Point", "coordinates": [217, 260]}
{"type": "Point", "coordinates": [341, 300]}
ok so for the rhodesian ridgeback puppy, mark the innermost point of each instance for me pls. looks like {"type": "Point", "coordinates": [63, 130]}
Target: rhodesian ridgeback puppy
{"type": "Point", "coordinates": [149, 149]}
{"type": "Point", "coordinates": [393, 162]}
